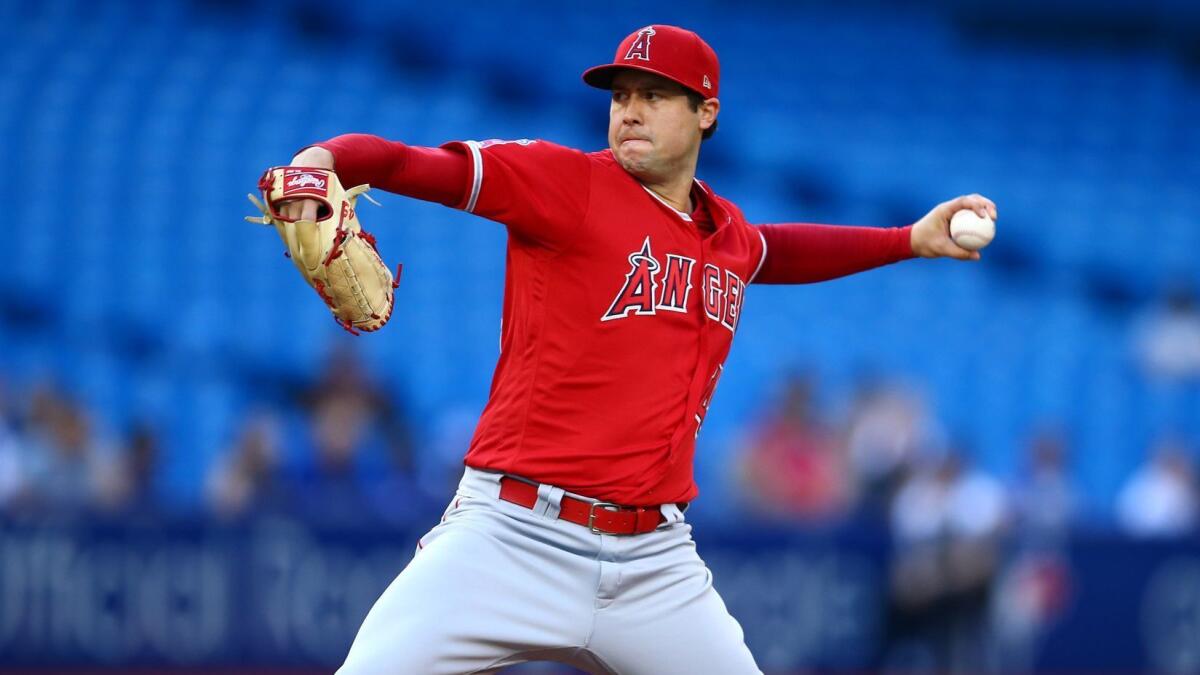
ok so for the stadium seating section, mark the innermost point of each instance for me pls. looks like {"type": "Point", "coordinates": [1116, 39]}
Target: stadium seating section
{"type": "Point", "coordinates": [132, 131]}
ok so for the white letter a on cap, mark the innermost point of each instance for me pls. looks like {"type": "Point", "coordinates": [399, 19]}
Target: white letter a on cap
{"type": "Point", "coordinates": [640, 49]}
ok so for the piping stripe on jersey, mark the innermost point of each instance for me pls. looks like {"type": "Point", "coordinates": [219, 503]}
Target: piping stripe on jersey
{"type": "Point", "coordinates": [761, 260]}
{"type": "Point", "coordinates": [477, 174]}
{"type": "Point", "coordinates": [662, 201]}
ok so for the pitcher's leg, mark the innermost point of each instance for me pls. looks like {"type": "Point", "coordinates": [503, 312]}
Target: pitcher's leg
{"type": "Point", "coordinates": [667, 619]}
{"type": "Point", "coordinates": [475, 595]}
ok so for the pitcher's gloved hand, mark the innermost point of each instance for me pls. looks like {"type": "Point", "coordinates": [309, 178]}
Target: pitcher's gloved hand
{"type": "Point", "coordinates": [333, 253]}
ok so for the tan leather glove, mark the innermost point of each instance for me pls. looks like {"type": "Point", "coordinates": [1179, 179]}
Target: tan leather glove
{"type": "Point", "coordinates": [333, 253]}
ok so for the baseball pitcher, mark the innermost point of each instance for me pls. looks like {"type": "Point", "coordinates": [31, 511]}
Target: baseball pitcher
{"type": "Point", "coordinates": [626, 280]}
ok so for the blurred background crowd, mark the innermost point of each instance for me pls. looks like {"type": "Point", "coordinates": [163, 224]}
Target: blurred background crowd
{"type": "Point", "coordinates": [161, 363]}
{"type": "Point", "coordinates": [341, 450]}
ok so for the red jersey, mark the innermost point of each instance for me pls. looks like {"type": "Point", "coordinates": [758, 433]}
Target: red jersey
{"type": "Point", "coordinates": [618, 310]}
{"type": "Point", "coordinates": [618, 315]}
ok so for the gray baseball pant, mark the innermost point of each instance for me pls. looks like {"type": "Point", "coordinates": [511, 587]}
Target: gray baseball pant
{"type": "Point", "coordinates": [495, 584]}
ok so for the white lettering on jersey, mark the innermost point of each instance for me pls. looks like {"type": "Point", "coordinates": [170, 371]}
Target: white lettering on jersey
{"type": "Point", "coordinates": [676, 284]}
{"type": "Point", "coordinates": [641, 283]}
{"type": "Point", "coordinates": [650, 287]}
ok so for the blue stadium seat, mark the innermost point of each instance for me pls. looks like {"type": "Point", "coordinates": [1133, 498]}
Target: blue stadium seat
{"type": "Point", "coordinates": [156, 140]}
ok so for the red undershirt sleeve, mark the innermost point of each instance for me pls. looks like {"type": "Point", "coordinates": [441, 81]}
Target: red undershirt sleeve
{"type": "Point", "coordinates": [802, 253]}
{"type": "Point", "coordinates": [430, 174]}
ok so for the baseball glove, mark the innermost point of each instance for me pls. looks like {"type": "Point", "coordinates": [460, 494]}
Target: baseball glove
{"type": "Point", "coordinates": [334, 254]}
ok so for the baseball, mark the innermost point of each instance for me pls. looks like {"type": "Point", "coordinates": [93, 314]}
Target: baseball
{"type": "Point", "coordinates": [970, 231]}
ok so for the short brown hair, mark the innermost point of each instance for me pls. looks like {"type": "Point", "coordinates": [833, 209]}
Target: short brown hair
{"type": "Point", "coordinates": [694, 100]}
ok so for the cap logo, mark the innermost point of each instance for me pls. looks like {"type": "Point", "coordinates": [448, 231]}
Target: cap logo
{"type": "Point", "coordinates": [640, 49]}
{"type": "Point", "coordinates": [707, 84]}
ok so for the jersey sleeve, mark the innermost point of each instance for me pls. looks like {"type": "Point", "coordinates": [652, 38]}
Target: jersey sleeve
{"type": "Point", "coordinates": [430, 174]}
{"type": "Point", "coordinates": [802, 253]}
{"type": "Point", "coordinates": [539, 190]}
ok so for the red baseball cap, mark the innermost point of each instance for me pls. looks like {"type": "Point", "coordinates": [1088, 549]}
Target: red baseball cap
{"type": "Point", "coordinates": [670, 51]}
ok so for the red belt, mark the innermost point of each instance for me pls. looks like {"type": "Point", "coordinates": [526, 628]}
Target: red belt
{"type": "Point", "coordinates": [599, 517]}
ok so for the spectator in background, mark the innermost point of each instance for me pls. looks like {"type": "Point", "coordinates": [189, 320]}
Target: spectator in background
{"type": "Point", "coordinates": [11, 477]}
{"type": "Point", "coordinates": [1167, 340]}
{"type": "Point", "coordinates": [126, 484]}
{"type": "Point", "coordinates": [1160, 499]}
{"type": "Point", "coordinates": [1034, 590]}
{"type": "Point", "coordinates": [947, 522]}
{"type": "Point", "coordinates": [61, 457]}
{"type": "Point", "coordinates": [793, 466]}
{"type": "Point", "coordinates": [888, 424]}
{"type": "Point", "coordinates": [245, 480]}
{"type": "Point", "coordinates": [351, 424]}
{"type": "Point", "coordinates": [1046, 500]}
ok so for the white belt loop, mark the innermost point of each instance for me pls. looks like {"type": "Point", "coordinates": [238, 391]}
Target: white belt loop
{"type": "Point", "coordinates": [671, 514]}
{"type": "Point", "coordinates": [549, 501]}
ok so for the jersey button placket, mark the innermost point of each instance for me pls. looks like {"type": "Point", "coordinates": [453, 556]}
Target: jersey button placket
{"type": "Point", "coordinates": [701, 340]}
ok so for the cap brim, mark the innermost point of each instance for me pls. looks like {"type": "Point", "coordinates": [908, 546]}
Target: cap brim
{"type": "Point", "coordinates": [601, 77]}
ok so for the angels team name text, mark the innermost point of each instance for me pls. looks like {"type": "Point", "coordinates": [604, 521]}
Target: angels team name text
{"type": "Point", "coordinates": [651, 287]}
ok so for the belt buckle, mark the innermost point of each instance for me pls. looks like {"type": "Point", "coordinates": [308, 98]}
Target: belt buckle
{"type": "Point", "coordinates": [607, 506]}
